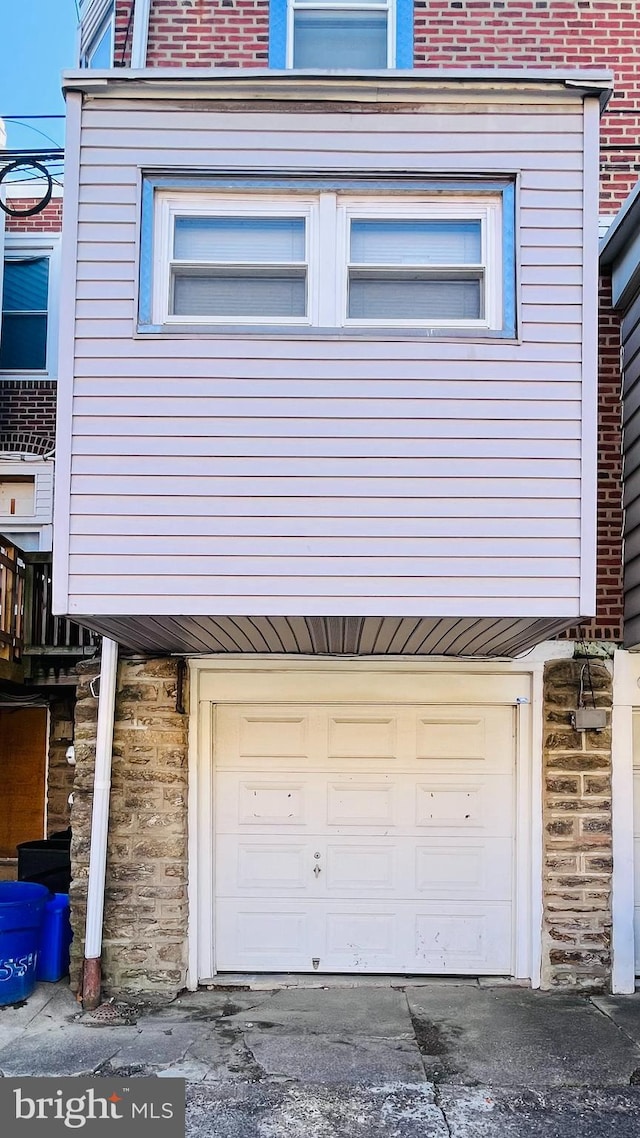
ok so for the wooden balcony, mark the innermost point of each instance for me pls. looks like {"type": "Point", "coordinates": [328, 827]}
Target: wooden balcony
{"type": "Point", "coordinates": [35, 645]}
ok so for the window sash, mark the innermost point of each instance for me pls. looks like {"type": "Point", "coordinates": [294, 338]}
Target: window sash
{"type": "Point", "coordinates": [24, 331]}
{"type": "Point", "coordinates": [278, 277]}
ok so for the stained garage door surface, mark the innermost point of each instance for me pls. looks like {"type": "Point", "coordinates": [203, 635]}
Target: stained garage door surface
{"type": "Point", "coordinates": [360, 839]}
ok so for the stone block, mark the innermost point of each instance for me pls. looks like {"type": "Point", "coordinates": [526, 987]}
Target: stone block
{"type": "Point", "coordinates": [563, 784]}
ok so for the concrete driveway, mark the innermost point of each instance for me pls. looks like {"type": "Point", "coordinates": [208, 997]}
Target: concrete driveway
{"type": "Point", "coordinates": [434, 1060]}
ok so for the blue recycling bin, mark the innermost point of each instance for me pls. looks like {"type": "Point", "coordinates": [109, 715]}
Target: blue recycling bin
{"type": "Point", "coordinates": [55, 939]}
{"type": "Point", "coordinates": [22, 905]}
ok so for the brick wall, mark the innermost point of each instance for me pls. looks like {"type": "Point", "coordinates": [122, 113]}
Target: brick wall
{"type": "Point", "coordinates": [27, 415]}
{"type": "Point", "coordinates": [145, 920]}
{"type": "Point", "coordinates": [48, 220]}
{"type": "Point", "coordinates": [607, 624]}
{"type": "Point", "coordinates": [577, 833]}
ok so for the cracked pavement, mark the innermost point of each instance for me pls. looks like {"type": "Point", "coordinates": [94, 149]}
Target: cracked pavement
{"type": "Point", "coordinates": [435, 1060]}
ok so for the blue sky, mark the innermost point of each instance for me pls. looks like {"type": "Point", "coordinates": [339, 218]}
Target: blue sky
{"type": "Point", "coordinates": [37, 43]}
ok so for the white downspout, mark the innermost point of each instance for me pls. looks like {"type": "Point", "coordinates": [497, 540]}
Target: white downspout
{"type": "Point", "coordinates": [140, 33]}
{"type": "Point", "coordinates": [91, 981]}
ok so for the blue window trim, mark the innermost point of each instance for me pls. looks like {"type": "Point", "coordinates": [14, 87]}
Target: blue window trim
{"type": "Point", "coordinates": [278, 34]}
{"type": "Point", "coordinates": [351, 183]}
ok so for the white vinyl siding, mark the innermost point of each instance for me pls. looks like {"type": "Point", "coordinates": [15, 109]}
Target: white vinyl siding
{"type": "Point", "coordinates": [276, 474]}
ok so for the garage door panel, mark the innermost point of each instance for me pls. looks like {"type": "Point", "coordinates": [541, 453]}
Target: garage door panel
{"type": "Point", "coordinates": [264, 937]}
{"type": "Point", "coordinates": [397, 938]}
{"type": "Point", "coordinates": [464, 805]}
{"type": "Point", "coordinates": [344, 803]}
{"type": "Point", "coordinates": [405, 868]}
{"type": "Point", "coordinates": [412, 737]}
{"type": "Point", "coordinates": [476, 940]}
{"type": "Point", "coordinates": [466, 869]}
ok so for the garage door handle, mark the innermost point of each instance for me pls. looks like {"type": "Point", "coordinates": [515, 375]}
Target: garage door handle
{"type": "Point", "coordinates": [317, 870]}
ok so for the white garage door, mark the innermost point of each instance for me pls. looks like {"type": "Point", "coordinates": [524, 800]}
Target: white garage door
{"type": "Point", "coordinates": [352, 838]}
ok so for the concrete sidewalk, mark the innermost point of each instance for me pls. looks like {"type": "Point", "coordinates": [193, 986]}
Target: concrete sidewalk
{"type": "Point", "coordinates": [435, 1060]}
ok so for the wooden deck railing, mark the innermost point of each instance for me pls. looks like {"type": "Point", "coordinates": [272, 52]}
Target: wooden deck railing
{"type": "Point", "coordinates": [12, 590]}
{"type": "Point", "coordinates": [28, 628]}
{"type": "Point", "coordinates": [46, 633]}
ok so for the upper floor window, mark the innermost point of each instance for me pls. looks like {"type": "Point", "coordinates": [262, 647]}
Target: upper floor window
{"type": "Point", "coordinates": [27, 331]}
{"type": "Point", "coordinates": [341, 34]}
{"type": "Point", "coordinates": [329, 260]}
{"type": "Point", "coordinates": [97, 35]}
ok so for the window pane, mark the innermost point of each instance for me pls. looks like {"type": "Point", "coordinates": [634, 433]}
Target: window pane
{"type": "Point", "coordinates": [240, 239]}
{"type": "Point", "coordinates": [23, 343]}
{"type": "Point", "coordinates": [232, 294]}
{"type": "Point", "coordinates": [340, 39]}
{"type": "Point", "coordinates": [101, 56]}
{"type": "Point", "coordinates": [416, 242]}
{"type": "Point", "coordinates": [26, 285]}
{"type": "Point", "coordinates": [414, 299]}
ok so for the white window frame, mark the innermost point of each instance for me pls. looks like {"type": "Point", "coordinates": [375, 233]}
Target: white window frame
{"type": "Point", "coordinates": [36, 245]}
{"type": "Point", "coordinates": [94, 24]}
{"type": "Point", "coordinates": [328, 214]}
{"type": "Point", "coordinates": [487, 211]}
{"type": "Point", "coordinates": [388, 6]}
{"type": "Point", "coordinates": [170, 206]}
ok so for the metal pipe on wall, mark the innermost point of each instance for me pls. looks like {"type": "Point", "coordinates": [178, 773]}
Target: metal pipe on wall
{"type": "Point", "coordinates": [91, 974]}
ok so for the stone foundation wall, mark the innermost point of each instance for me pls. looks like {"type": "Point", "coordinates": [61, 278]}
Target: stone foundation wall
{"type": "Point", "coordinates": [145, 920]}
{"type": "Point", "coordinates": [577, 832]}
{"type": "Point", "coordinates": [60, 776]}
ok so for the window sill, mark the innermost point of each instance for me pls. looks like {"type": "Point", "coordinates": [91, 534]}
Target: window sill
{"type": "Point", "coordinates": [295, 331]}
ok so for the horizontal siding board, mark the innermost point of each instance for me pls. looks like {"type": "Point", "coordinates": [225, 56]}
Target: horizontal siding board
{"type": "Point", "coordinates": [324, 585]}
{"type": "Point", "coordinates": [150, 530]}
{"type": "Point", "coordinates": [370, 549]}
{"type": "Point", "coordinates": [141, 406]}
{"type": "Point", "coordinates": [342, 475]}
{"type": "Point", "coordinates": [159, 505]}
{"type": "Point", "coordinates": [182, 137]}
{"type": "Point", "coordinates": [292, 472]}
{"type": "Point", "coordinates": [151, 119]}
{"type": "Point", "coordinates": [357, 487]}
{"type": "Point", "coordinates": [400, 448]}
{"type": "Point", "coordinates": [196, 430]}
{"type": "Point", "coordinates": [395, 566]}
{"type": "Point", "coordinates": [158, 353]}
{"type": "Point", "coordinates": [113, 165]}
{"type": "Point", "coordinates": [363, 381]}
{"type": "Point", "coordinates": [91, 604]}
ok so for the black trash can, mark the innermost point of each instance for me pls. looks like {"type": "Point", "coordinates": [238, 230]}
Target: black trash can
{"type": "Point", "coordinates": [46, 862]}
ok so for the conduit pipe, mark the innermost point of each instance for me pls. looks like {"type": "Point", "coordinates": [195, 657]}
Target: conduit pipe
{"type": "Point", "coordinates": [91, 972]}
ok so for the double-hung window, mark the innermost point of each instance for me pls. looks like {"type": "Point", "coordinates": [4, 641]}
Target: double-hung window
{"type": "Point", "coordinates": [341, 34]}
{"type": "Point", "coordinates": [236, 261]}
{"type": "Point", "coordinates": [25, 313]}
{"type": "Point", "coordinates": [329, 260]}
